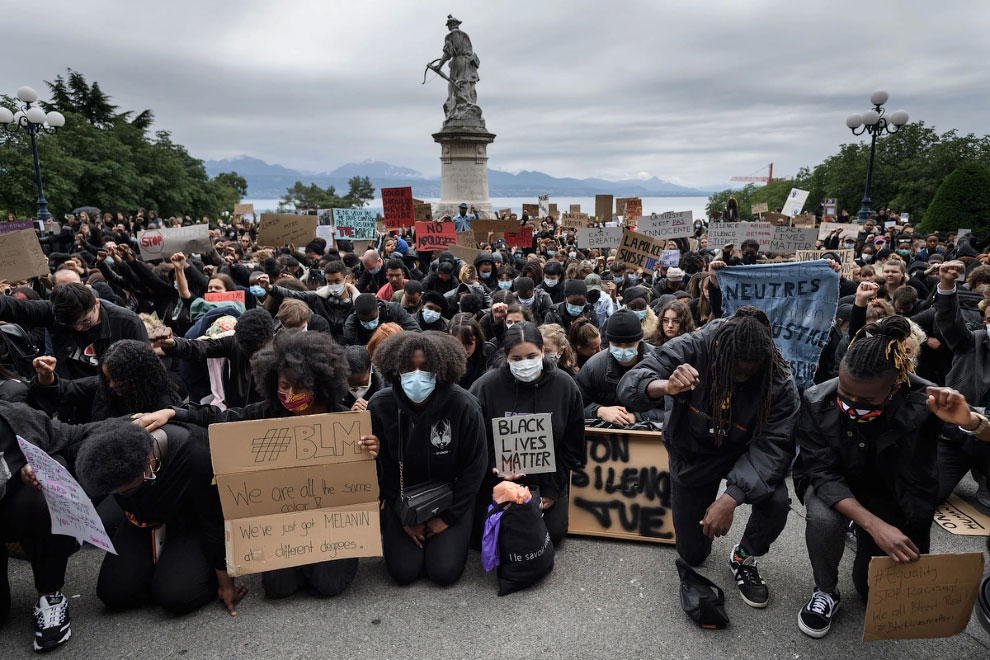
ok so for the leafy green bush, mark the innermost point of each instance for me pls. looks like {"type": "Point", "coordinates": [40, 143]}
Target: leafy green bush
{"type": "Point", "coordinates": [962, 200]}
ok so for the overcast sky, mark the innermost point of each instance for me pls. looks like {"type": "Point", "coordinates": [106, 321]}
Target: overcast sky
{"type": "Point", "coordinates": [691, 92]}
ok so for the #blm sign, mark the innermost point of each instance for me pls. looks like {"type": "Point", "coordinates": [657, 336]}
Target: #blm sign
{"type": "Point", "coordinates": [640, 251]}
{"type": "Point", "coordinates": [21, 256]}
{"type": "Point", "coordinates": [602, 238]}
{"type": "Point", "coordinates": [435, 236]}
{"type": "Point", "coordinates": [667, 225]}
{"type": "Point", "coordinates": [623, 490]}
{"type": "Point", "coordinates": [524, 443]}
{"type": "Point", "coordinates": [931, 597]}
{"type": "Point", "coordinates": [296, 491]}
{"type": "Point", "coordinates": [397, 204]}
{"type": "Point", "coordinates": [354, 224]}
{"type": "Point", "coordinates": [278, 229]}
{"type": "Point", "coordinates": [163, 243]}
{"type": "Point", "coordinates": [788, 240]}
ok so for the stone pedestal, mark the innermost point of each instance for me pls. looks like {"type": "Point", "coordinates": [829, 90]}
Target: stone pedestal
{"type": "Point", "coordinates": [464, 166]}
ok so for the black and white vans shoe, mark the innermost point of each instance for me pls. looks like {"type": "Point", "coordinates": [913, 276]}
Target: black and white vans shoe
{"type": "Point", "coordinates": [815, 618]}
{"type": "Point", "coordinates": [51, 622]}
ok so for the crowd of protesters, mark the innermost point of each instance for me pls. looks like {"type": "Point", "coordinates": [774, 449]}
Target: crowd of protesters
{"type": "Point", "coordinates": [436, 347]}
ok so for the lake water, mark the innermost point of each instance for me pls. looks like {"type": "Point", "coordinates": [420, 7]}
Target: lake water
{"type": "Point", "coordinates": [650, 204]}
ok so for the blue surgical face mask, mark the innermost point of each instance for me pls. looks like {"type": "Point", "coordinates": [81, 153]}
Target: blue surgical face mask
{"type": "Point", "coordinates": [431, 316]}
{"type": "Point", "coordinates": [988, 330]}
{"type": "Point", "coordinates": [108, 261]}
{"type": "Point", "coordinates": [418, 385]}
{"type": "Point", "coordinates": [574, 310]}
{"type": "Point", "coordinates": [624, 355]}
{"type": "Point", "coordinates": [549, 253]}
{"type": "Point", "coordinates": [370, 325]}
{"type": "Point", "coordinates": [640, 314]}
{"type": "Point", "coordinates": [374, 271]}
{"type": "Point", "coordinates": [526, 302]}
{"type": "Point", "coordinates": [632, 279]}
{"type": "Point", "coordinates": [485, 275]}
{"type": "Point", "coordinates": [550, 281]}
{"type": "Point", "coordinates": [505, 285]}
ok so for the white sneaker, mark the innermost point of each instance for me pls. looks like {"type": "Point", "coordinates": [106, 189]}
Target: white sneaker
{"type": "Point", "coordinates": [51, 622]}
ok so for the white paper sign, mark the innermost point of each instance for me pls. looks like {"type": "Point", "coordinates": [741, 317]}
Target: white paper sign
{"type": "Point", "coordinates": [544, 202]}
{"type": "Point", "coordinates": [668, 225]}
{"type": "Point", "coordinates": [524, 443]}
{"type": "Point", "coordinates": [670, 258]}
{"type": "Point", "coordinates": [326, 233]}
{"type": "Point", "coordinates": [602, 238]}
{"type": "Point", "coordinates": [795, 202]}
{"type": "Point", "coordinates": [848, 229]}
{"type": "Point", "coordinates": [69, 507]}
{"type": "Point", "coordinates": [163, 243]}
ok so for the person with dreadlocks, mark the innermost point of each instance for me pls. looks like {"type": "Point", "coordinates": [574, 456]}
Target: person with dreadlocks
{"type": "Point", "coordinates": [731, 417]}
{"type": "Point", "coordinates": [868, 442]}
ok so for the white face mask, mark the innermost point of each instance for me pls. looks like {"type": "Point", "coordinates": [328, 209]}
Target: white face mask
{"type": "Point", "coordinates": [360, 392]}
{"type": "Point", "coordinates": [336, 289]}
{"type": "Point", "coordinates": [526, 371]}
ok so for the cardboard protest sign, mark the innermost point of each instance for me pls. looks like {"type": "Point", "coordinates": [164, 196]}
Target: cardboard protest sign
{"type": "Point", "coordinates": [397, 204]}
{"type": "Point", "coordinates": [464, 253]}
{"type": "Point", "coordinates": [830, 208]}
{"type": "Point", "coordinates": [720, 233]}
{"type": "Point", "coordinates": [325, 232]}
{"type": "Point", "coordinates": [623, 491]}
{"type": "Point", "coordinates": [553, 210]}
{"type": "Point", "coordinates": [670, 258]}
{"type": "Point", "coordinates": [422, 211]}
{"type": "Point", "coordinates": [435, 236]}
{"type": "Point", "coordinates": [804, 220]}
{"type": "Point", "coordinates": [574, 208]}
{"type": "Point", "coordinates": [788, 240]}
{"type": "Point", "coordinates": [544, 204]}
{"type": "Point", "coordinates": [603, 207]}
{"type": "Point", "coordinates": [296, 490]}
{"type": "Point", "coordinates": [524, 443]}
{"type": "Point", "coordinates": [70, 509]}
{"type": "Point", "coordinates": [163, 243]}
{"type": "Point", "coordinates": [7, 227]}
{"type": "Point", "coordinates": [956, 516]}
{"type": "Point", "coordinates": [667, 225]}
{"type": "Point", "coordinates": [354, 224]}
{"type": "Point", "coordinates": [847, 258]}
{"type": "Point", "coordinates": [777, 219]}
{"type": "Point", "coordinates": [482, 227]}
{"type": "Point", "coordinates": [575, 220]}
{"type": "Point", "coordinates": [532, 210]}
{"type": "Point", "coordinates": [633, 209]}
{"type": "Point", "coordinates": [620, 205]}
{"type": "Point", "coordinates": [640, 251]}
{"type": "Point", "coordinates": [931, 597]}
{"type": "Point", "coordinates": [794, 202]}
{"type": "Point", "coordinates": [504, 214]}
{"type": "Point", "coordinates": [602, 238]}
{"type": "Point", "coordinates": [243, 209]}
{"type": "Point", "coordinates": [21, 256]}
{"type": "Point", "coordinates": [279, 229]}
{"type": "Point", "coordinates": [521, 239]}
{"type": "Point", "coordinates": [225, 296]}
{"type": "Point", "coordinates": [848, 229]}
{"type": "Point", "coordinates": [467, 239]}
{"type": "Point", "coordinates": [799, 298]}
{"type": "Point", "coordinates": [761, 207]}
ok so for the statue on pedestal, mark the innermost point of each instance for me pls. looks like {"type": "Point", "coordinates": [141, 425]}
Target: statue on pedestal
{"type": "Point", "coordinates": [461, 103]}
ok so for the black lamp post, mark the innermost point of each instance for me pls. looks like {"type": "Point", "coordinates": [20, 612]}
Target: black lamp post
{"type": "Point", "coordinates": [32, 119]}
{"type": "Point", "coordinates": [874, 122]}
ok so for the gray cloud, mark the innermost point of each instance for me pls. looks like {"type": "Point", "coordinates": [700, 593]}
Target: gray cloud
{"type": "Point", "coordinates": [688, 91]}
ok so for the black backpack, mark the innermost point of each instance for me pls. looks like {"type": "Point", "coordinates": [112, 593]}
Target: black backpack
{"type": "Point", "coordinates": [17, 351]}
{"type": "Point", "coordinates": [524, 546]}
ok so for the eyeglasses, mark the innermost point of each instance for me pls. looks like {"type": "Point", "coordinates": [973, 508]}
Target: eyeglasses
{"type": "Point", "coordinates": [86, 322]}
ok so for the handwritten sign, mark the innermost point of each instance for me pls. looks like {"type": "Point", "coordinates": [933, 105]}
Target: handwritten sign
{"type": "Point", "coordinates": [464, 253]}
{"type": "Point", "coordinates": [21, 256]}
{"type": "Point", "coordinates": [602, 238]}
{"type": "Point", "coordinates": [640, 251]}
{"type": "Point", "coordinates": [544, 205]}
{"type": "Point", "coordinates": [397, 204]}
{"type": "Point", "coordinates": [225, 296]}
{"type": "Point", "coordinates": [531, 210]}
{"type": "Point", "coordinates": [956, 516]}
{"type": "Point", "coordinates": [69, 507]}
{"type": "Point", "coordinates": [720, 233]}
{"type": "Point", "coordinates": [848, 229]}
{"type": "Point", "coordinates": [243, 209]}
{"type": "Point", "coordinates": [296, 490]}
{"type": "Point", "coordinates": [931, 597]}
{"type": "Point", "coordinates": [603, 207]}
{"type": "Point", "coordinates": [354, 224]}
{"type": "Point", "coordinates": [846, 257]}
{"type": "Point", "coordinates": [804, 220]}
{"type": "Point", "coordinates": [778, 219]}
{"type": "Point", "coordinates": [325, 232]}
{"type": "Point", "coordinates": [524, 443]}
{"type": "Point", "coordinates": [670, 258]}
{"type": "Point", "coordinates": [761, 207]}
{"type": "Point", "coordinates": [623, 491]}
{"type": "Point", "coordinates": [279, 229]}
{"type": "Point", "coordinates": [620, 205]}
{"type": "Point", "coordinates": [163, 243]}
{"type": "Point", "coordinates": [421, 212]}
{"type": "Point", "coordinates": [574, 208]}
{"type": "Point", "coordinates": [7, 227]}
{"type": "Point", "coordinates": [521, 239]}
{"type": "Point", "coordinates": [788, 240]}
{"type": "Point", "coordinates": [794, 202]}
{"type": "Point", "coordinates": [633, 209]}
{"type": "Point", "coordinates": [575, 220]}
{"type": "Point", "coordinates": [667, 225]}
{"type": "Point", "coordinates": [435, 236]}
{"type": "Point", "coordinates": [799, 298]}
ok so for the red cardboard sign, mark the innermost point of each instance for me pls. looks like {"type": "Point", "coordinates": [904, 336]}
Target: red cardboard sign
{"type": "Point", "coordinates": [225, 296]}
{"type": "Point", "coordinates": [520, 239]}
{"type": "Point", "coordinates": [433, 236]}
{"type": "Point", "coordinates": [397, 203]}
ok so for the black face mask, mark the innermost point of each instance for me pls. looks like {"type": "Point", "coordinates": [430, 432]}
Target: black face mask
{"type": "Point", "coordinates": [594, 296]}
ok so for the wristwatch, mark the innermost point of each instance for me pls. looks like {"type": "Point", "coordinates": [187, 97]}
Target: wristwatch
{"type": "Point", "coordinates": [980, 428]}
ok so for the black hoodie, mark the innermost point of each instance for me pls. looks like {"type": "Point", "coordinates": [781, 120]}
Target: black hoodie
{"type": "Point", "coordinates": [500, 394]}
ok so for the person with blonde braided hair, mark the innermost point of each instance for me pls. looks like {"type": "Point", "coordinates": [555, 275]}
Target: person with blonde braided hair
{"type": "Point", "coordinates": [867, 452]}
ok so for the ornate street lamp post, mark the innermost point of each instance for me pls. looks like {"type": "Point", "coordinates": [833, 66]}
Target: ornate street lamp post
{"type": "Point", "coordinates": [32, 119]}
{"type": "Point", "coordinates": [874, 122]}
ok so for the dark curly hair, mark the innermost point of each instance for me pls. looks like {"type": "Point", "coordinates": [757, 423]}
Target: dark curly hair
{"type": "Point", "coordinates": [254, 328]}
{"type": "Point", "coordinates": [113, 454]}
{"type": "Point", "coordinates": [140, 379]}
{"type": "Point", "coordinates": [309, 359]}
{"type": "Point", "coordinates": [683, 311]}
{"type": "Point", "coordinates": [445, 357]}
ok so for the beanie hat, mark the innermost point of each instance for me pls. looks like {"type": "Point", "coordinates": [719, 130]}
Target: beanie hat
{"type": "Point", "coordinates": [575, 288]}
{"type": "Point", "coordinates": [624, 327]}
{"type": "Point", "coordinates": [436, 298]}
{"type": "Point", "coordinates": [675, 274]}
{"type": "Point", "coordinates": [633, 293]}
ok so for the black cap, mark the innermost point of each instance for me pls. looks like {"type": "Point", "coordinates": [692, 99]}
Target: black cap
{"type": "Point", "coordinates": [575, 288]}
{"type": "Point", "coordinates": [624, 327]}
{"type": "Point", "coordinates": [632, 293]}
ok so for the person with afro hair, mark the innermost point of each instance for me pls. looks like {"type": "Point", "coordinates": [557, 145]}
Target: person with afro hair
{"type": "Point", "coordinates": [298, 373]}
{"type": "Point", "coordinates": [432, 431]}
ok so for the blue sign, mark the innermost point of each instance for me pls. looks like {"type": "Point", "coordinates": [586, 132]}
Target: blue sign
{"type": "Point", "coordinates": [799, 298]}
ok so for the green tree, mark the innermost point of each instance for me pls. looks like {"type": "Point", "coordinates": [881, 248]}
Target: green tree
{"type": "Point", "coordinates": [963, 200]}
{"type": "Point", "coordinates": [360, 187]}
{"type": "Point", "coordinates": [301, 196]}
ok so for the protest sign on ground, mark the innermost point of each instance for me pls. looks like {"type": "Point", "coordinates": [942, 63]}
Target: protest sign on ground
{"type": "Point", "coordinates": [603, 207]}
{"type": "Point", "coordinates": [931, 597]}
{"type": "Point", "coordinates": [848, 229]}
{"type": "Point", "coordinates": [623, 490]}
{"type": "Point", "coordinates": [279, 229]}
{"type": "Point", "coordinates": [296, 490]}
{"type": "Point", "coordinates": [21, 256]}
{"type": "Point", "coordinates": [354, 224]}
{"type": "Point", "coordinates": [799, 298]}
{"type": "Point", "coordinates": [602, 238]}
{"type": "Point", "coordinates": [524, 443]}
{"type": "Point", "coordinates": [794, 202]}
{"type": "Point", "coordinates": [521, 239]}
{"type": "Point", "coordinates": [243, 209]}
{"type": "Point", "coordinates": [435, 236]}
{"type": "Point", "coordinates": [846, 257]}
{"type": "Point", "coordinates": [544, 204]}
{"type": "Point", "coordinates": [225, 296]}
{"type": "Point", "coordinates": [397, 205]}
{"type": "Point", "coordinates": [70, 509]}
{"type": "Point", "coordinates": [163, 243]}
{"type": "Point", "coordinates": [673, 224]}
{"type": "Point", "coordinates": [761, 207]}
{"type": "Point", "coordinates": [640, 251]}
{"type": "Point", "coordinates": [957, 516]}
{"type": "Point", "coordinates": [18, 225]}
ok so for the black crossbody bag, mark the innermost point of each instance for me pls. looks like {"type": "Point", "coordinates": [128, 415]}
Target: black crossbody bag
{"type": "Point", "coordinates": [425, 501]}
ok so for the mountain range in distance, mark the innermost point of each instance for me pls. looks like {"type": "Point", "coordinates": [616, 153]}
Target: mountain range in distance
{"type": "Point", "coordinates": [271, 180]}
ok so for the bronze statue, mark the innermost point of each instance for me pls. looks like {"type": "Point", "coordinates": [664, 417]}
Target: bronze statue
{"type": "Point", "coordinates": [463, 74]}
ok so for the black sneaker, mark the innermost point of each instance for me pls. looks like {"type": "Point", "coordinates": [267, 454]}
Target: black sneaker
{"type": "Point", "coordinates": [815, 618]}
{"type": "Point", "coordinates": [752, 588]}
{"type": "Point", "coordinates": [51, 622]}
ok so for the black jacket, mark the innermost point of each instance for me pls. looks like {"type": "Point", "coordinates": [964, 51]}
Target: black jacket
{"type": "Point", "coordinates": [334, 310]}
{"type": "Point", "coordinates": [238, 383]}
{"type": "Point", "coordinates": [554, 392]}
{"type": "Point", "coordinates": [388, 312]}
{"type": "Point", "coordinates": [368, 283]}
{"type": "Point", "coordinates": [970, 372]}
{"type": "Point", "coordinates": [558, 314]}
{"type": "Point", "coordinates": [376, 385]}
{"type": "Point", "coordinates": [89, 398]}
{"type": "Point", "coordinates": [445, 442]}
{"type": "Point", "coordinates": [762, 462]}
{"type": "Point", "coordinates": [888, 464]}
{"type": "Point", "coordinates": [599, 379]}
{"type": "Point", "coordinates": [556, 293]}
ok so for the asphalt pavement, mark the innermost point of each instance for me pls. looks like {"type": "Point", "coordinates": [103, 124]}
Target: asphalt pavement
{"type": "Point", "coordinates": [604, 599]}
